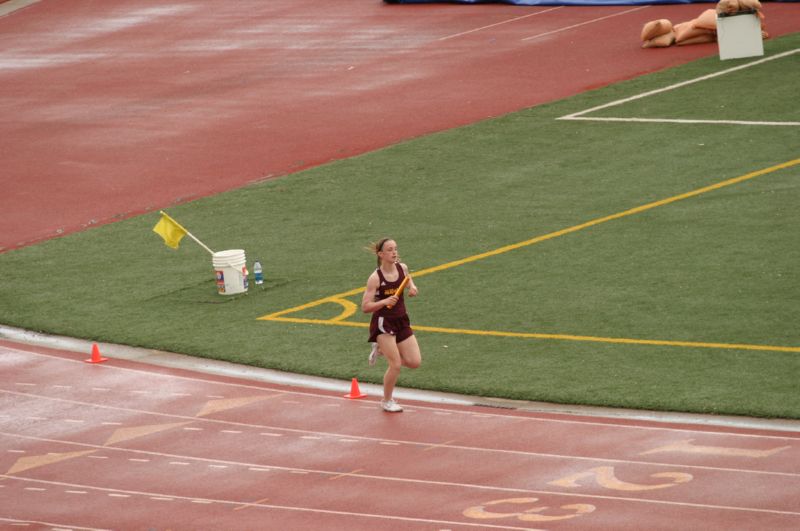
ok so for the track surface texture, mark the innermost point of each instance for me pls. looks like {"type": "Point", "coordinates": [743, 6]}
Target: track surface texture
{"type": "Point", "coordinates": [125, 445]}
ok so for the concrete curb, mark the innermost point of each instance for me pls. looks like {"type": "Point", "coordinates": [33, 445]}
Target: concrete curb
{"type": "Point", "coordinates": [223, 368]}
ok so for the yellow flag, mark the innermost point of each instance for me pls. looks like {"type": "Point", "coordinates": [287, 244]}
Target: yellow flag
{"type": "Point", "coordinates": [170, 230]}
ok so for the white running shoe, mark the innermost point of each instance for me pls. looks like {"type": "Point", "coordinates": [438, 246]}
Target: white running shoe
{"type": "Point", "coordinates": [374, 353]}
{"type": "Point", "coordinates": [391, 406]}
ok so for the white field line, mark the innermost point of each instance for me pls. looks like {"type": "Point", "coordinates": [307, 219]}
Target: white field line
{"type": "Point", "coordinates": [678, 121]}
{"type": "Point", "coordinates": [498, 23]}
{"type": "Point", "coordinates": [579, 115]}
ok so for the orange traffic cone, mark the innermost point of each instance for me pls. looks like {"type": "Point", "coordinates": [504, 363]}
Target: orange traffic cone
{"type": "Point", "coordinates": [355, 392]}
{"type": "Point", "coordinates": [95, 355]}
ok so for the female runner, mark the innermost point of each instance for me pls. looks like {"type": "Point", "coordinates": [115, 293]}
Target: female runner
{"type": "Point", "coordinates": [390, 328]}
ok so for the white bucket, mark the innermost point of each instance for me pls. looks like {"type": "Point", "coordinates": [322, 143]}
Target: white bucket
{"type": "Point", "coordinates": [230, 269]}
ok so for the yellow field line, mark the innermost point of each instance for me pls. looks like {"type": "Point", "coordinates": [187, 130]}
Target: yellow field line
{"type": "Point", "coordinates": [617, 340]}
{"type": "Point", "coordinates": [557, 337]}
{"type": "Point", "coordinates": [618, 215]}
{"type": "Point", "coordinates": [349, 310]}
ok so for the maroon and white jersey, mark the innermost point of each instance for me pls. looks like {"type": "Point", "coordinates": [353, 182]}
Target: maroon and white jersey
{"type": "Point", "coordinates": [386, 289]}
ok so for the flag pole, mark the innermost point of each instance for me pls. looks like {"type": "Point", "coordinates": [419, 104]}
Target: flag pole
{"type": "Point", "coordinates": [201, 244]}
{"type": "Point", "coordinates": [189, 234]}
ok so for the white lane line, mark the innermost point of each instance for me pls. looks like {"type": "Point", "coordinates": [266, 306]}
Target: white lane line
{"type": "Point", "coordinates": [13, 5]}
{"type": "Point", "coordinates": [489, 450]}
{"type": "Point", "coordinates": [41, 525]}
{"type": "Point", "coordinates": [454, 35]}
{"type": "Point", "coordinates": [584, 23]}
{"type": "Point", "coordinates": [573, 495]}
{"type": "Point", "coordinates": [523, 453]}
{"type": "Point", "coordinates": [395, 479]}
{"type": "Point", "coordinates": [527, 416]}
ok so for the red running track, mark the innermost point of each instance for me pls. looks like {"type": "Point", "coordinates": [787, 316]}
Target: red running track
{"type": "Point", "coordinates": [123, 445]}
{"type": "Point", "coordinates": [112, 109]}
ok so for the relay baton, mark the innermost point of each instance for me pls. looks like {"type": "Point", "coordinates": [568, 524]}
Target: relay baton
{"type": "Point", "coordinates": [399, 291]}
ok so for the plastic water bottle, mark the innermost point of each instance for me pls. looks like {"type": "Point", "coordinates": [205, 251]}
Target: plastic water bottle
{"type": "Point", "coordinates": [258, 272]}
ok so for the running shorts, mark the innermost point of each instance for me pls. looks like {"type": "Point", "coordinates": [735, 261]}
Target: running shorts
{"type": "Point", "coordinates": [399, 327]}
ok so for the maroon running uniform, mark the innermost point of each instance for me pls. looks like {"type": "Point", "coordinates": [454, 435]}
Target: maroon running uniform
{"type": "Point", "coordinates": [392, 321]}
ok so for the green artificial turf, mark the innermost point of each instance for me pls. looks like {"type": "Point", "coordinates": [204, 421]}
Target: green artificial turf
{"type": "Point", "coordinates": [717, 268]}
